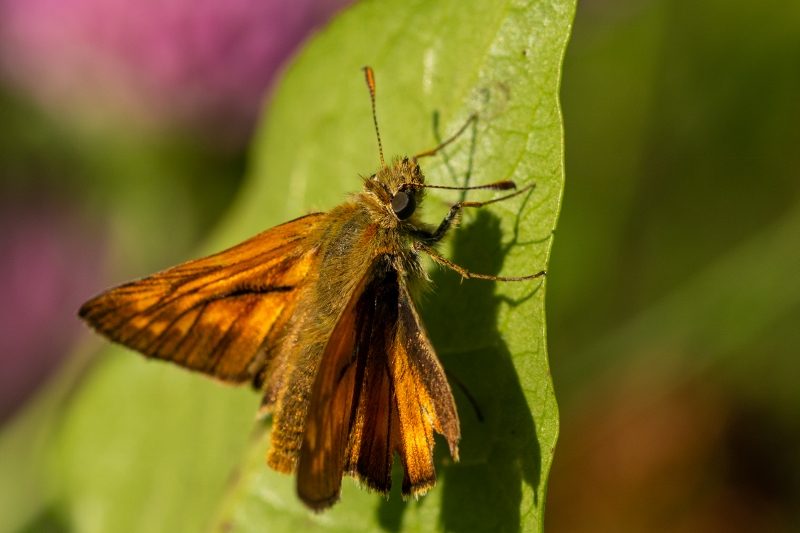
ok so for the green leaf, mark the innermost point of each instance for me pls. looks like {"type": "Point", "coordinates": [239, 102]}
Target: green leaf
{"type": "Point", "coordinates": [436, 64]}
{"type": "Point", "coordinates": [146, 446]}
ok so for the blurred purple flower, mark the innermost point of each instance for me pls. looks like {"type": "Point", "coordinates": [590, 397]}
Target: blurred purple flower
{"type": "Point", "coordinates": [48, 264]}
{"type": "Point", "coordinates": [202, 64]}
{"type": "Point", "coordinates": [206, 62]}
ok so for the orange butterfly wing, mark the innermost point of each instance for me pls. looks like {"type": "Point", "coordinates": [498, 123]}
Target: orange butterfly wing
{"type": "Point", "coordinates": [379, 390]}
{"type": "Point", "coordinates": [219, 315]}
{"type": "Point", "coordinates": [320, 463]}
{"type": "Point", "coordinates": [424, 400]}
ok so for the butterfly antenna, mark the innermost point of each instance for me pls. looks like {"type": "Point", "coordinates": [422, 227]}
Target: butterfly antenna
{"type": "Point", "coordinates": [371, 85]}
{"type": "Point", "coordinates": [502, 185]}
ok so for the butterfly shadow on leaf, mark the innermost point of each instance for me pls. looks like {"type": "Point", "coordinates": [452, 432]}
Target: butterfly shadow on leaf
{"type": "Point", "coordinates": [483, 492]}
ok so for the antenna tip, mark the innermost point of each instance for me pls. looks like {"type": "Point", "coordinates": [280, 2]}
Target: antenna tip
{"type": "Point", "coordinates": [370, 78]}
{"type": "Point", "coordinates": [504, 185]}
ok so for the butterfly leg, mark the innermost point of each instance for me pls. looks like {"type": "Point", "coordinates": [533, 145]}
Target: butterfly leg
{"type": "Point", "coordinates": [452, 215]}
{"type": "Point", "coordinates": [455, 136]}
{"type": "Point", "coordinates": [419, 247]}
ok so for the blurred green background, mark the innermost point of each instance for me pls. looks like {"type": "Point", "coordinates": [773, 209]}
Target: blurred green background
{"type": "Point", "coordinates": [673, 302]}
{"type": "Point", "coordinates": [674, 285]}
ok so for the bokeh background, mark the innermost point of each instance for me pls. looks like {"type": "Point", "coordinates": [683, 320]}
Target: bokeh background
{"type": "Point", "coordinates": [124, 126]}
{"type": "Point", "coordinates": [673, 306]}
{"type": "Point", "coordinates": [674, 287]}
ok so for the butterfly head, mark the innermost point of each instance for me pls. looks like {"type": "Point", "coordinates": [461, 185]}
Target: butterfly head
{"type": "Point", "coordinates": [398, 188]}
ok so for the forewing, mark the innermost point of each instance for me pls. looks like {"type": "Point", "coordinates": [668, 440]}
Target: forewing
{"type": "Point", "coordinates": [214, 314]}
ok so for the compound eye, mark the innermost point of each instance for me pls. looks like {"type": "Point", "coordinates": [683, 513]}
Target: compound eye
{"type": "Point", "coordinates": [403, 204]}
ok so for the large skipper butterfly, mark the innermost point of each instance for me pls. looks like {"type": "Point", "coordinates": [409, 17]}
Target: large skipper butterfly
{"type": "Point", "coordinates": [318, 314]}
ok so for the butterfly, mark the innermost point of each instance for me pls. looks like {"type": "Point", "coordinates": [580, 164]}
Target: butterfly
{"type": "Point", "coordinates": [318, 314]}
